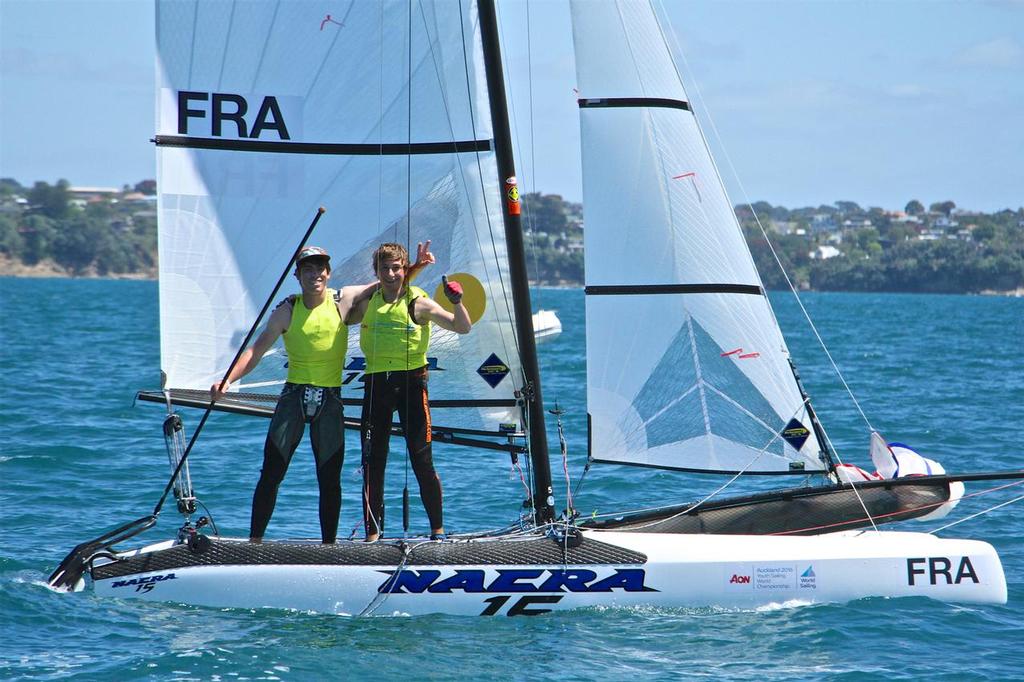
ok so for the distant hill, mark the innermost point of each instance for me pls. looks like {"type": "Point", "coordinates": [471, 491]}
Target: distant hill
{"type": "Point", "coordinates": [55, 230]}
{"type": "Point", "coordinates": [61, 230]}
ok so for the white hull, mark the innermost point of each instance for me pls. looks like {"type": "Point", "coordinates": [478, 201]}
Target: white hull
{"type": "Point", "coordinates": [726, 571]}
{"type": "Point", "coordinates": [546, 324]}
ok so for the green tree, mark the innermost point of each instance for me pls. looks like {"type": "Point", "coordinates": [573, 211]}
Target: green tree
{"type": "Point", "coordinates": [984, 233]}
{"type": "Point", "coordinates": [12, 244]}
{"type": "Point", "coordinates": [50, 200]}
{"type": "Point", "coordinates": [914, 207]}
{"type": "Point", "coordinates": [545, 213]}
{"type": "Point", "coordinates": [10, 186]}
{"type": "Point", "coordinates": [945, 207]}
{"type": "Point", "coordinates": [78, 241]}
{"type": "Point", "coordinates": [39, 233]}
{"type": "Point", "coordinates": [147, 187]}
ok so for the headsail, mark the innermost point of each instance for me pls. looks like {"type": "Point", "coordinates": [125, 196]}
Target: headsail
{"type": "Point", "coordinates": [686, 366]}
{"type": "Point", "coordinates": [270, 110]}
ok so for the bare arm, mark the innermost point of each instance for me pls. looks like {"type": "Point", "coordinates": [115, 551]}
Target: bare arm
{"type": "Point", "coordinates": [251, 356]}
{"type": "Point", "coordinates": [353, 301]}
{"type": "Point", "coordinates": [457, 321]}
{"type": "Point", "coordinates": [355, 297]}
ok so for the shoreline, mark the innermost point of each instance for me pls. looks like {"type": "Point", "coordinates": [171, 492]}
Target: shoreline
{"type": "Point", "coordinates": [47, 268]}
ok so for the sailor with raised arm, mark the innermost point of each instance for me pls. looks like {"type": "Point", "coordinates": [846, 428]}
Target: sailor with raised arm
{"type": "Point", "coordinates": [316, 339]}
{"type": "Point", "coordinates": [394, 336]}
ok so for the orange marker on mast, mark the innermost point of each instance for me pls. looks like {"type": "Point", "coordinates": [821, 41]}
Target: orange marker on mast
{"type": "Point", "coordinates": [512, 193]}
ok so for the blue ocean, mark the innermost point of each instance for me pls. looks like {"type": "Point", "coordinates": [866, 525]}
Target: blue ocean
{"type": "Point", "coordinates": [943, 374]}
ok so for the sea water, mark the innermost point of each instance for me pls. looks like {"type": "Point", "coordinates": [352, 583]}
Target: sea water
{"type": "Point", "coordinates": [944, 374]}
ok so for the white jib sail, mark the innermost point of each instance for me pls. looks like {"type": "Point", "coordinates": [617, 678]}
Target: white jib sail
{"type": "Point", "coordinates": [375, 110]}
{"type": "Point", "coordinates": [686, 366]}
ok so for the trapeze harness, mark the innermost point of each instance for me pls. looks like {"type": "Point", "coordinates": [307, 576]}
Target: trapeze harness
{"type": "Point", "coordinates": [395, 346]}
{"type": "Point", "coordinates": [316, 341]}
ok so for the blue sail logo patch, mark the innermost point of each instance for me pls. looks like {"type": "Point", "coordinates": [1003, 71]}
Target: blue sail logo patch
{"type": "Point", "coordinates": [796, 434]}
{"type": "Point", "coordinates": [493, 370]}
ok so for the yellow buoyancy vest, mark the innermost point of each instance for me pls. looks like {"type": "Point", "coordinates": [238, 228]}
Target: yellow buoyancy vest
{"type": "Point", "coordinates": [316, 341]}
{"type": "Point", "coordinates": [389, 337]}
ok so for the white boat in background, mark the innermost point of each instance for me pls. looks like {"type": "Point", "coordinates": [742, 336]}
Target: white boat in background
{"type": "Point", "coordinates": [264, 117]}
{"type": "Point", "coordinates": [546, 324]}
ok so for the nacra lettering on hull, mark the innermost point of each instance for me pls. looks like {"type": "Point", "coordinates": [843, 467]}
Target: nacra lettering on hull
{"type": "Point", "coordinates": [143, 584]}
{"type": "Point", "coordinates": [514, 580]}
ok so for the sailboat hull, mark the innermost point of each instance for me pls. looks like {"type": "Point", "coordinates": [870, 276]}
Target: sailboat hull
{"type": "Point", "coordinates": [533, 575]}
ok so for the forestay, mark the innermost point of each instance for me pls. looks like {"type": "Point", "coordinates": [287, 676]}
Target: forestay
{"type": "Point", "coordinates": [686, 366]}
{"type": "Point", "coordinates": [268, 111]}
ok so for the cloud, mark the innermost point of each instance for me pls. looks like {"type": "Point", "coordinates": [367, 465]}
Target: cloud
{"type": "Point", "coordinates": [58, 66]}
{"type": "Point", "coordinates": [908, 91]}
{"type": "Point", "coordinates": [998, 53]}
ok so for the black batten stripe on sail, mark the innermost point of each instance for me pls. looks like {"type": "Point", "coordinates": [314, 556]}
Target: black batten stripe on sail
{"type": "Point", "coordinates": [648, 289]}
{"type": "Point", "coordinates": [281, 147]}
{"type": "Point", "coordinates": [628, 102]}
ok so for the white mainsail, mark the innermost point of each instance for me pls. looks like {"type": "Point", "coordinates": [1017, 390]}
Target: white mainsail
{"type": "Point", "coordinates": [686, 366]}
{"type": "Point", "coordinates": [267, 111]}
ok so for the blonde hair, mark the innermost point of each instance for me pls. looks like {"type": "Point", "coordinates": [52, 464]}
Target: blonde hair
{"type": "Point", "coordinates": [390, 251]}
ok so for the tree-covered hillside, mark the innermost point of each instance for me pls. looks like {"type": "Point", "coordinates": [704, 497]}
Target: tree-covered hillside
{"type": "Point", "coordinates": [838, 247]}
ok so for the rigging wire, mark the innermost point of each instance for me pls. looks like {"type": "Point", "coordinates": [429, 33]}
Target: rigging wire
{"type": "Point", "coordinates": [531, 173]}
{"type": "Point", "coordinates": [370, 519]}
{"type": "Point", "coordinates": [721, 488]}
{"type": "Point", "coordinates": [930, 505]}
{"type": "Point", "coordinates": [529, 212]}
{"type": "Point", "coordinates": [505, 294]}
{"type": "Point", "coordinates": [405, 284]}
{"type": "Point", "coordinates": [521, 383]}
{"type": "Point", "coordinates": [983, 511]}
{"type": "Point", "coordinates": [234, 361]}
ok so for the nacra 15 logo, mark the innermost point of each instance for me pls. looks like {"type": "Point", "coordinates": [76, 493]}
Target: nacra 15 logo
{"type": "Point", "coordinates": [144, 584]}
{"type": "Point", "coordinates": [543, 586]}
{"type": "Point", "coordinates": [514, 580]}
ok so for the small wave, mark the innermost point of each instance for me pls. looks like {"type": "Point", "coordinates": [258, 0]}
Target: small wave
{"type": "Point", "coordinates": [784, 606]}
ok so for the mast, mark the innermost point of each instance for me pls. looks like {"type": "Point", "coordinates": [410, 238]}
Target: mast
{"type": "Point", "coordinates": [543, 500]}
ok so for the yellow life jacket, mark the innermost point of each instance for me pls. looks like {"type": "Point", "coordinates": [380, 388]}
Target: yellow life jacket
{"type": "Point", "coordinates": [316, 341]}
{"type": "Point", "coordinates": [388, 336]}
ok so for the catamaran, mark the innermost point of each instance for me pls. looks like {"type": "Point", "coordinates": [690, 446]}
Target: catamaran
{"type": "Point", "coordinates": [394, 115]}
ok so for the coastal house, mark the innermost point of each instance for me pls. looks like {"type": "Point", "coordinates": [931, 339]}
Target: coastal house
{"type": "Point", "coordinates": [824, 252]}
{"type": "Point", "coordinates": [81, 197]}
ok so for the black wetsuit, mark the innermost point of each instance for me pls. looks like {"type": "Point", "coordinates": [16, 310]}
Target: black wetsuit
{"type": "Point", "coordinates": [406, 392]}
{"type": "Point", "coordinates": [327, 435]}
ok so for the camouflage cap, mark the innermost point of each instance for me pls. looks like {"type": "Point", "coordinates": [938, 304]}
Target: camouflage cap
{"type": "Point", "coordinates": [312, 252]}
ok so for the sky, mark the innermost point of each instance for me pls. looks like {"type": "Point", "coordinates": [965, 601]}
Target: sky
{"type": "Point", "coordinates": [804, 103]}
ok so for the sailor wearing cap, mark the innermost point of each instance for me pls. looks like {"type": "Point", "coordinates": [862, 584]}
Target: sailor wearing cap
{"type": "Point", "coordinates": [313, 325]}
